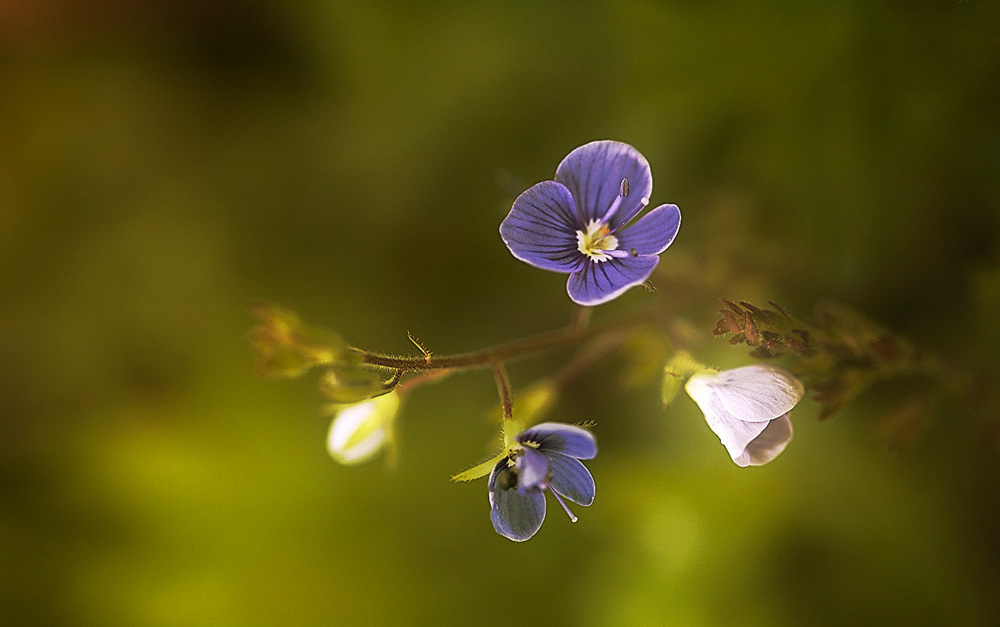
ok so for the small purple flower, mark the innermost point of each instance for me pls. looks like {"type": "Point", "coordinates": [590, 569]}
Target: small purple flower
{"type": "Point", "coordinates": [572, 224]}
{"type": "Point", "coordinates": [546, 456]}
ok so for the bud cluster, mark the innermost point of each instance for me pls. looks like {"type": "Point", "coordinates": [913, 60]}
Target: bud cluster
{"type": "Point", "coordinates": [840, 354]}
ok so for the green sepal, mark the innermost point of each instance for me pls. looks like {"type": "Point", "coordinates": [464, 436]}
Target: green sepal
{"type": "Point", "coordinates": [479, 470]}
{"type": "Point", "coordinates": [510, 430]}
{"type": "Point", "coordinates": [671, 386]}
{"type": "Point", "coordinates": [348, 383]}
{"type": "Point", "coordinates": [680, 367]}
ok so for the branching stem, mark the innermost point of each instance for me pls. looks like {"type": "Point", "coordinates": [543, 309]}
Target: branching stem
{"type": "Point", "coordinates": [483, 358]}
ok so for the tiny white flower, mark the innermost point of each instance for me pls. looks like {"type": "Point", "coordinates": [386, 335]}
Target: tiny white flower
{"type": "Point", "coordinates": [359, 431]}
{"type": "Point", "coordinates": [748, 409]}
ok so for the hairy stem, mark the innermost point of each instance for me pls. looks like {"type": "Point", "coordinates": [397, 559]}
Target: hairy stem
{"type": "Point", "coordinates": [503, 387]}
{"type": "Point", "coordinates": [484, 358]}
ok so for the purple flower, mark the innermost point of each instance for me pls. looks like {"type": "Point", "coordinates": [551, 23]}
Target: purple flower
{"type": "Point", "coordinates": [546, 456]}
{"type": "Point", "coordinates": [572, 224]}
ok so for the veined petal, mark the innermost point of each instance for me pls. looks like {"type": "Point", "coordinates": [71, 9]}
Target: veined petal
{"type": "Point", "coordinates": [532, 468]}
{"type": "Point", "coordinates": [571, 478]}
{"type": "Point", "coordinates": [562, 438]}
{"type": "Point", "coordinates": [735, 434]}
{"type": "Point", "coordinates": [516, 514]}
{"type": "Point", "coordinates": [541, 228]}
{"type": "Point", "coordinates": [766, 446]}
{"type": "Point", "coordinates": [598, 282]}
{"type": "Point", "coordinates": [653, 232]}
{"type": "Point", "coordinates": [594, 172]}
{"type": "Point", "coordinates": [758, 392]}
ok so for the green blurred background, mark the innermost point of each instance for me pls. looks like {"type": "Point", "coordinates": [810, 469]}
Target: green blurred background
{"type": "Point", "coordinates": [163, 164]}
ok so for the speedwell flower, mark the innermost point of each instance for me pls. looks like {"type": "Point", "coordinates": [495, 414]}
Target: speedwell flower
{"type": "Point", "coordinates": [574, 223]}
{"type": "Point", "coordinates": [748, 409]}
{"type": "Point", "coordinates": [545, 456]}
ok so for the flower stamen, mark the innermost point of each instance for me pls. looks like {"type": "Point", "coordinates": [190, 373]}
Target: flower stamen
{"type": "Point", "coordinates": [622, 194]}
{"type": "Point", "coordinates": [597, 242]}
{"type": "Point", "coordinates": [572, 516]}
{"type": "Point", "coordinates": [642, 204]}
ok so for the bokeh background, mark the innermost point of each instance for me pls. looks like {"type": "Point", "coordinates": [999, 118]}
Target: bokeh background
{"type": "Point", "coordinates": [162, 164]}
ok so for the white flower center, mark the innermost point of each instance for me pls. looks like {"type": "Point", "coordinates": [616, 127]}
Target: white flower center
{"type": "Point", "coordinates": [596, 241]}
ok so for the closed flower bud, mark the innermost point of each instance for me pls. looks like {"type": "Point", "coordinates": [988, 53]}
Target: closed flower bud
{"type": "Point", "coordinates": [284, 346]}
{"type": "Point", "coordinates": [359, 432]}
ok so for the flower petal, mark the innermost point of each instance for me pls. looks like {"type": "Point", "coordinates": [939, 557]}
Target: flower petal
{"type": "Point", "coordinates": [600, 281]}
{"type": "Point", "coordinates": [758, 392]}
{"type": "Point", "coordinates": [516, 514]}
{"type": "Point", "coordinates": [541, 228]}
{"type": "Point", "coordinates": [532, 468]}
{"type": "Point", "coordinates": [571, 478]}
{"type": "Point", "coordinates": [653, 233]}
{"type": "Point", "coordinates": [734, 433]}
{"type": "Point", "coordinates": [594, 172]}
{"type": "Point", "coordinates": [562, 438]}
{"type": "Point", "coordinates": [766, 446]}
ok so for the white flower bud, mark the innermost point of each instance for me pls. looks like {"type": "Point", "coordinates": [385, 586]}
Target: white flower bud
{"type": "Point", "coordinates": [748, 409]}
{"type": "Point", "coordinates": [358, 432]}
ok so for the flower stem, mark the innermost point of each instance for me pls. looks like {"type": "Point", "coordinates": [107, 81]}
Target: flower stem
{"type": "Point", "coordinates": [503, 387]}
{"type": "Point", "coordinates": [486, 357]}
{"type": "Point", "coordinates": [581, 318]}
{"type": "Point", "coordinates": [417, 380]}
